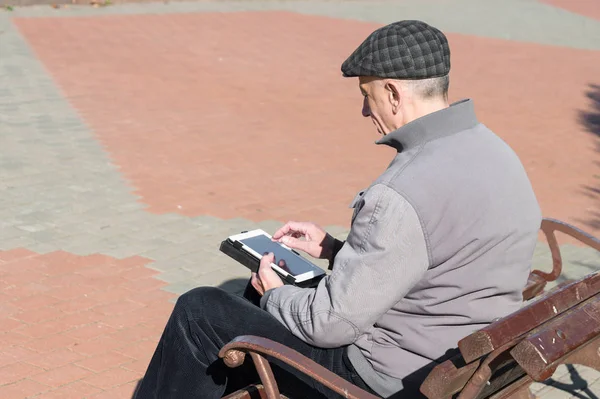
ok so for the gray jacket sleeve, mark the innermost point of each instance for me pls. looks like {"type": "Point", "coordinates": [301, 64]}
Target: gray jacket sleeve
{"type": "Point", "coordinates": [384, 256]}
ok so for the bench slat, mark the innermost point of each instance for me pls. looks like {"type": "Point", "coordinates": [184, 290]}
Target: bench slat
{"type": "Point", "coordinates": [489, 338]}
{"type": "Point", "coordinates": [504, 375]}
{"type": "Point", "coordinates": [519, 389]}
{"type": "Point", "coordinates": [251, 392]}
{"type": "Point", "coordinates": [448, 378]}
{"type": "Point", "coordinates": [540, 353]}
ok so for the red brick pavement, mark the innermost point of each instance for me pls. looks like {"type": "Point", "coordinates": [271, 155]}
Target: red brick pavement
{"type": "Point", "coordinates": [74, 326]}
{"type": "Point", "coordinates": [245, 114]}
{"type": "Point", "coordinates": [589, 8]}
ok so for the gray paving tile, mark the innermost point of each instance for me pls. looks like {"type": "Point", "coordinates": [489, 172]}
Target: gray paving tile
{"type": "Point", "coordinates": [178, 275]}
{"type": "Point", "coordinates": [181, 287]}
{"type": "Point", "coordinates": [9, 232]}
{"type": "Point", "coordinates": [594, 387]}
{"type": "Point", "coordinates": [217, 278]}
{"type": "Point", "coordinates": [16, 242]}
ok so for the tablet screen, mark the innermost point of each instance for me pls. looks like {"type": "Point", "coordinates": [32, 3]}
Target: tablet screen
{"type": "Point", "coordinates": [294, 264]}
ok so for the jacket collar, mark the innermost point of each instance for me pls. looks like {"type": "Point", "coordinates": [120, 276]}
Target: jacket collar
{"type": "Point", "coordinates": [457, 117]}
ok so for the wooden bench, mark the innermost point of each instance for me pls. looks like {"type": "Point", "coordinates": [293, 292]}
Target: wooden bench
{"type": "Point", "coordinates": [502, 360]}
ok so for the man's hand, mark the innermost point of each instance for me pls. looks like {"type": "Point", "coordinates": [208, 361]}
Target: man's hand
{"type": "Point", "coordinates": [266, 278]}
{"type": "Point", "coordinates": [317, 243]}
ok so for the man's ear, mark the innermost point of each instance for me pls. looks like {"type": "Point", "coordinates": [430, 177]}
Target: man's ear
{"type": "Point", "coordinates": [394, 95]}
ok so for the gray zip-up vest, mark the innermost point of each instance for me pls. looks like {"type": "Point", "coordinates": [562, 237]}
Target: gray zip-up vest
{"type": "Point", "coordinates": [480, 219]}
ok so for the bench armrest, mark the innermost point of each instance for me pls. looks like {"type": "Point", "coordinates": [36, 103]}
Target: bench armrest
{"type": "Point", "coordinates": [549, 228]}
{"type": "Point", "coordinates": [233, 355]}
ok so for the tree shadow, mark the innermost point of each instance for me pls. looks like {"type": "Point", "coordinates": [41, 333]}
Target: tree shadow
{"type": "Point", "coordinates": [590, 119]}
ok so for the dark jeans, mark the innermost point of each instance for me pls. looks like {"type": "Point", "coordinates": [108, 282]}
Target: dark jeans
{"type": "Point", "coordinates": [186, 363]}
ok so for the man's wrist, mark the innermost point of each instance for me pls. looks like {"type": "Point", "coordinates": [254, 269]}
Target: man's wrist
{"type": "Point", "coordinates": [328, 247]}
{"type": "Point", "coordinates": [335, 247]}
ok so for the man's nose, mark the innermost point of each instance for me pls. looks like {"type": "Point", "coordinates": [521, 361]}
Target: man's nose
{"type": "Point", "coordinates": [366, 111]}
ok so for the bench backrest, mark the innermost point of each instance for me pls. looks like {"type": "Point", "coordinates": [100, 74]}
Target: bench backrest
{"type": "Point", "coordinates": [541, 352]}
{"type": "Point", "coordinates": [499, 338]}
{"type": "Point", "coordinates": [490, 338]}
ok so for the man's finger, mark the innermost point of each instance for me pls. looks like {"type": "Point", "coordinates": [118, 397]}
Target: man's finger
{"type": "Point", "coordinates": [295, 243]}
{"type": "Point", "coordinates": [266, 275]}
{"type": "Point", "coordinates": [297, 227]}
{"type": "Point", "coordinates": [265, 264]}
{"type": "Point", "coordinates": [283, 230]}
{"type": "Point", "coordinates": [267, 259]}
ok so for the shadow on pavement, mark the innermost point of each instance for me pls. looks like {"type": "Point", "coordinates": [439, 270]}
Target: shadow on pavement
{"type": "Point", "coordinates": [590, 119]}
{"type": "Point", "coordinates": [578, 388]}
{"type": "Point", "coordinates": [234, 286]}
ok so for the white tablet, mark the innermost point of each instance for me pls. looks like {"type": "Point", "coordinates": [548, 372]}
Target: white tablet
{"type": "Point", "coordinates": [287, 262]}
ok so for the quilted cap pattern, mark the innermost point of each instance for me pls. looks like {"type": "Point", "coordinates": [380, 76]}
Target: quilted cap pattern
{"type": "Point", "coordinates": [401, 50]}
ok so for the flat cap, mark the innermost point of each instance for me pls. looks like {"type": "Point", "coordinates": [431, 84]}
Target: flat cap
{"type": "Point", "coordinates": [401, 50]}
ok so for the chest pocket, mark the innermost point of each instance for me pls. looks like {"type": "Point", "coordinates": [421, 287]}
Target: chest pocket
{"type": "Point", "coordinates": [357, 203]}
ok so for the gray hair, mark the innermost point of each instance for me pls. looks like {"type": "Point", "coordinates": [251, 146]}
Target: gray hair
{"type": "Point", "coordinates": [431, 88]}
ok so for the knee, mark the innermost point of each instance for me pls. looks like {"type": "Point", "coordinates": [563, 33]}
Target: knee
{"type": "Point", "coordinates": [199, 294]}
{"type": "Point", "coordinates": [198, 299]}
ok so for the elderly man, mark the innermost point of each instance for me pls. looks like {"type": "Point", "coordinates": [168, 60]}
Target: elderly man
{"type": "Point", "coordinates": [440, 245]}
